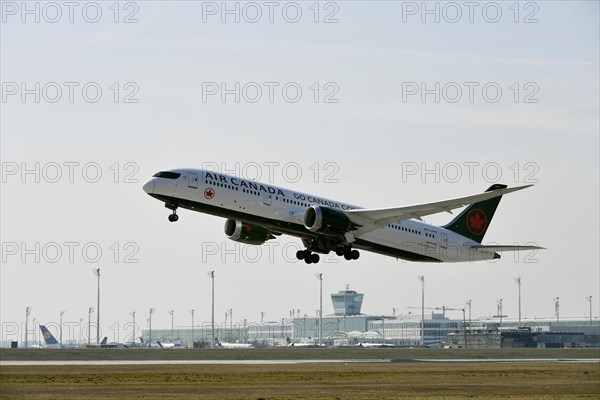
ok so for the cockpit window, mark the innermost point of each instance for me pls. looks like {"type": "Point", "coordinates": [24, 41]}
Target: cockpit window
{"type": "Point", "coordinates": [167, 174]}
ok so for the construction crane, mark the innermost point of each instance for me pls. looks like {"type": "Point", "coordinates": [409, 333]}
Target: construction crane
{"type": "Point", "coordinates": [444, 309]}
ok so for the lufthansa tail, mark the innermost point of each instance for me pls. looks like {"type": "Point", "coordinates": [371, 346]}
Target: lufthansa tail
{"type": "Point", "coordinates": [48, 337]}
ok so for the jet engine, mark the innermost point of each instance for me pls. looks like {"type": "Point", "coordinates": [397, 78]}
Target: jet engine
{"type": "Point", "coordinates": [242, 232]}
{"type": "Point", "coordinates": [325, 220]}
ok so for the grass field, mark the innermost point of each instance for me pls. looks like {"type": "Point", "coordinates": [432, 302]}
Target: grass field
{"type": "Point", "coordinates": [538, 381]}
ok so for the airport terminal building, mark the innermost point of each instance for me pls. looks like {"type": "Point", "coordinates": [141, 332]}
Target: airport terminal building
{"type": "Point", "coordinates": [348, 327]}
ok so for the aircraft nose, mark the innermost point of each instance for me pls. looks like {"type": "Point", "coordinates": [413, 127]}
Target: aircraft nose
{"type": "Point", "coordinates": [149, 186]}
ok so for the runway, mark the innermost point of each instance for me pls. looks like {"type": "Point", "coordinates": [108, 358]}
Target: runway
{"type": "Point", "coordinates": [294, 362]}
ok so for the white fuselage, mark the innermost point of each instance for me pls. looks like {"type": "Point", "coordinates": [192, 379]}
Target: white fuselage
{"type": "Point", "coordinates": [281, 210]}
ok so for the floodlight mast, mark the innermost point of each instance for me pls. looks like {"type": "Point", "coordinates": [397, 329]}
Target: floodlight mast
{"type": "Point", "coordinates": [60, 332]}
{"type": "Point", "coordinates": [500, 310]}
{"type": "Point", "coordinates": [97, 273]}
{"type": "Point", "coordinates": [150, 326]}
{"type": "Point", "coordinates": [320, 278]}
{"type": "Point", "coordinates": [589, 299]}
{"type": "Point", "coordinates": [192, 312]}
{"type": "Point", "coordinates": [518, 281]}
{"type": "Point", "coordinates": [172, 314]}
{"type": "Point", "coordinates": [422, 279]}
{"type": "Point", "coordinates": [211, 274]}
{"type": "Point", "coordinates": [133, 327]}
{"type": "Point", "coordinates": [90, 311]}
{"type": "Point", "coordinates": [557, 310]}
{"type": "Point", "coordinates": [27, 313]}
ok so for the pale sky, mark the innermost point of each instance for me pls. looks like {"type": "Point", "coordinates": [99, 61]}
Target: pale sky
{"type": "Point", "coordinates": [370, 134]}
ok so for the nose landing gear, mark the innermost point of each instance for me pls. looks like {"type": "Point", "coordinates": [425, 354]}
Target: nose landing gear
{"type": "Point", "coordinates": [173, 217]}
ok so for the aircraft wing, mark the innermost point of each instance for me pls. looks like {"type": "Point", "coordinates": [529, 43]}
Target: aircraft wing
{"type": "Point", "coordinates": [369, 220]}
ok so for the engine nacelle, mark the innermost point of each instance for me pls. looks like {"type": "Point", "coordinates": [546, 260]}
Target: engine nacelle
{"type": "Point", "coordinates": [325, 220]}
{"type": "Point", "coordinates": [242, 232]}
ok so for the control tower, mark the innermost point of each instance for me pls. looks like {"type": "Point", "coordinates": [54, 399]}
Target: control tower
{"type": "Point", "coordinates": [347, 302]}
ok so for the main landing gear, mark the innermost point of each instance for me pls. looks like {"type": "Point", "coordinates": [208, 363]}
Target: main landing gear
{"type": "Point", "coordinates": [313, 258]}
{"type": "Point", "coordinates": [348, 253]}
{"type": "Point", "coordinates": [173, 217]}
{"type": "Point", "coordinates": [308, 256]}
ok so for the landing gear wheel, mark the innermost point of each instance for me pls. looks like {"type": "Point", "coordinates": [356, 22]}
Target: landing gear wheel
{"type": "Point", "coordinates": [339, 251]}
{"type": "Point", "coordinates": [308, 260]}
{"type": "Point", "coordinates": [307, 254]}
{"type": "Point", "coordinates": [314, 258]}
{"type": "Point", "coordinates": [300, 254]}
{"type": "Point", "coordinates": [173, 217]}
{"type": "Point", "coordinates": [348, 256]}
{"type": "Point", "coordinates": [354, 254]}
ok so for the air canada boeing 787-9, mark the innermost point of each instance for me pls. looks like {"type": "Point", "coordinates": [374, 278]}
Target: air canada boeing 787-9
{"type": "Point", "coordinates": [258, 212]}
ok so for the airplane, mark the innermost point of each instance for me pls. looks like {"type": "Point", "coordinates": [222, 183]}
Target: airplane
{"type": "Point", "coordinates": [374, 345]}
{"type": "Point", "coordinates": [49, 339]}
{"type": "Point", "coordinates": [257, 212]}
{"type": "Point", "coordinates": [226, 345]}
{"type": "Point", "coordinates": [156, 344]}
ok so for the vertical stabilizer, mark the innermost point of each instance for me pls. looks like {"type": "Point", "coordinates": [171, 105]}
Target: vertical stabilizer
{"type": "Point", "coordinates": [474, 221]}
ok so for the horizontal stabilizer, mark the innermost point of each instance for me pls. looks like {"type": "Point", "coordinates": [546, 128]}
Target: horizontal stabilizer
{"type": "Point", "coordinates": [504, 247]}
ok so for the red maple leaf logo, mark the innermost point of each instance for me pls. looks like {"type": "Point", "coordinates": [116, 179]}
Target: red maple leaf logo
{"type": "Point", "coordinates": [476, 222]}
{"type": "Point", "coordinates": [209, 193]}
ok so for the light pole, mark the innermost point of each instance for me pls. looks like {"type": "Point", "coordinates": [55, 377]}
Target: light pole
{"type": "Point", "coordinates": [192, 312]}
{"type": "Point", "coordinates": [262, 317]}
{"type": "Point", "coordinates": [90, 311]}
{"type": "Point", "coordinates": [518, 281]}
{"type": "Point", "coordinates": [211, 274]}
{"type": "Point", "coordinates": [557, 310]}
{"type": "Point", "coordinates": [500, 310]}
{"type": "Point", "coordinates": [422, 279]}
{"type": "Point", "coordinates": [150, 326]}
{"type": "Point", "coordinates": [133, 327]}
{"type": "Point", "coordinates": [589, 298]}
{"type": "Point", "coordinates": [231, 322]}
{"type": "Point", "coordinates": [60, 331]}
{"type": "Point", "coordinates": [27, 313]}
{"type": "Point", "coordinates": [97, 273]}
{"type": "Point", "coordinates": [172, 314]}
{"type": "Point", "coordinates": [320, 278]}
{"type": "Point", "coordinates": [469, 304]}
{"type": "Point", "coordinates": [35, 332]}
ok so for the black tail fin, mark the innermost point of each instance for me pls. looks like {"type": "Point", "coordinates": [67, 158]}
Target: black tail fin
{"type": "Point", "coordinates": [473, 221]}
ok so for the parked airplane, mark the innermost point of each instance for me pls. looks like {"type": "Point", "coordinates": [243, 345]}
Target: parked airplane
{"type": "Point", "coordinates": [376, 345]}
{"type": "Point", "coordinates": [258, 212]}
{"type": "Point", "coordinates": [49, 339]}
{"type": "Point", "coordinates": [226, 345]}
